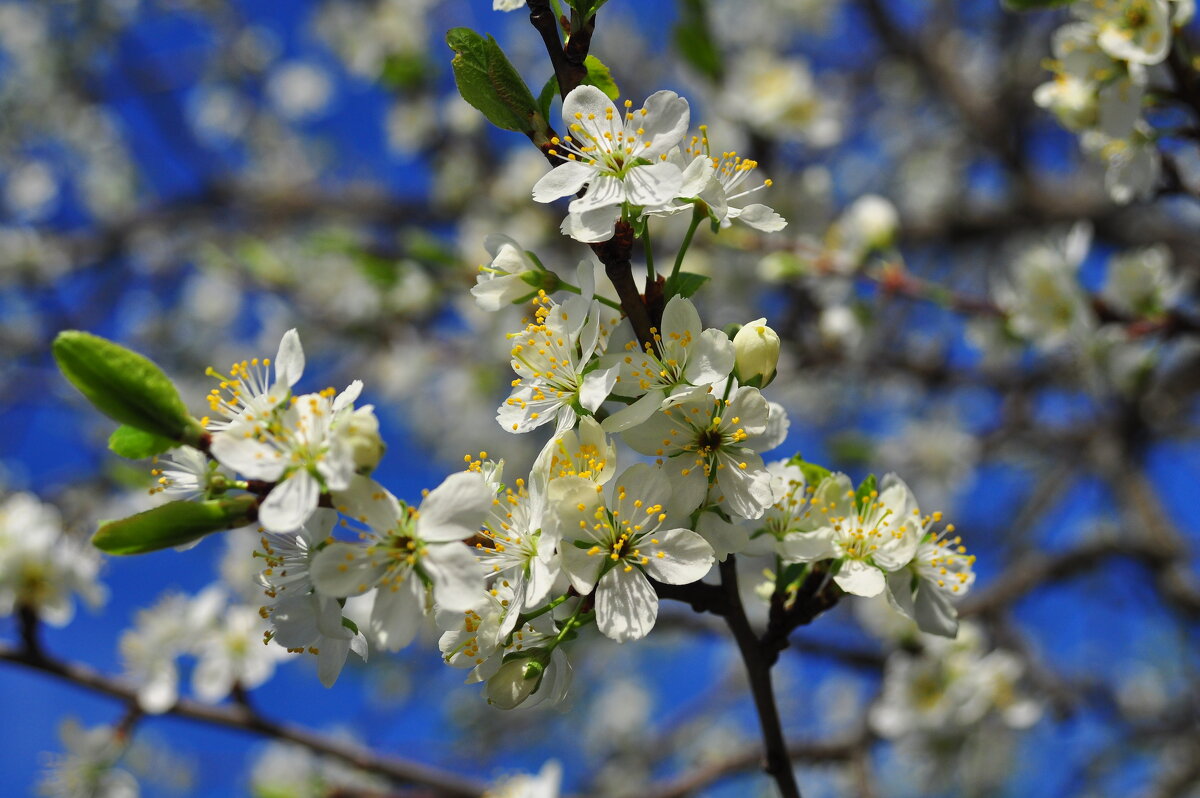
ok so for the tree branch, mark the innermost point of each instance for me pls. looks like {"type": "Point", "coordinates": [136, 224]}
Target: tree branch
{"type": "Point", "coordinates": [446, 785]}
{"type": "Point", "coordinates": [777, 762]}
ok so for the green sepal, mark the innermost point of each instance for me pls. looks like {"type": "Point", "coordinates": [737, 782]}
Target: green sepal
{"type": "Point", "coordinates": [174, 524]}
{"type": "Point", "coordinates": [137, 444]}
{"type": "Point", "coordinates": [125, 386]}
{"type": "Point", "coordinates": [863, 494]}
{"type": "Point", "coordinates": [487, 80]}
{"type": "Point", "coordinates": [684, 284]}
{"type": "Point", "coordinates": [349, 624]}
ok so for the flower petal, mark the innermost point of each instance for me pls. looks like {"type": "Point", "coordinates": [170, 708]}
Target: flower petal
{"type": "Point", "coordinates": [652, 184]}
{"type": "Point", "coordinates": [592, 226]}
{"type": "Point", "coordinates": [289, 361]}
{"type": "Point", "coordinates": [663, 123]}
{"type": "Point", "coordinates": [564, 180]}
{"type": "Point", "coordinates": [457, 575]}
{"type": "Point", "coordinates": [346, 569]}
{"type": "Point", "coordinates": [237, 447]}
{"type": "Point", "coordinates": [455, 509]}
{"type": "Point", "coordinates": [679, 558]}
{"type": "Point", "coordinates": [396, 616]}
{"type": "Point", "coordinates": [760, 217]}
{"type": "Point", "coordinates": [290, 503]}
{"type": "Point", "coordinates": [626, 605]}
{"type": "Point", "coordinates": [859, 578]}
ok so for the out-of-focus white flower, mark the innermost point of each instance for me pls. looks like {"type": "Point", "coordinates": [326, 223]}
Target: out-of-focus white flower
{"type": "Point", "coordinates": [31, 190]}
{"type": "Point", "coordinates": [937, 456]}
{"type": "Point", "coordinates": [1044, 301]}
{"type": "Point", "coordinates": [546, 783]}
{"type": "Point", "coordinates": [1141, 283]}
{"type": "Point", "coordinates": [1138, 31]}
{"type": "Point", "coordinates": [950, 687]}
{"type": "Point", "coordinates": [88, 767]}
{"type": "Point", "coordinates": [299, 90]}
{"type": "Point", "coordinates": [779, 96]}
{"type": "Point", "coordinates": [40, 566]}
{"type": "Point", "coordinates": [1134, 164]}
{"type": "Point", "coordinates": [227, 641]}
{"type": "Point", "coordinates": [149, 651]}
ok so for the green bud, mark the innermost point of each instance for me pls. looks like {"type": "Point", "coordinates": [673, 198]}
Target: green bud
{"type": "Point", "coordinates": [125, 386]}
{"type": "Point", "coordinates": [518, 679]}
{"type": "Point", "coordinates": [174, 524]}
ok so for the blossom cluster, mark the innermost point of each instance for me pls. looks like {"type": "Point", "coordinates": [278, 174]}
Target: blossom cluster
{"type": "Point", "coordinates": [1101, 63]}
{"type": "Point", "coordinates": [512, 571]}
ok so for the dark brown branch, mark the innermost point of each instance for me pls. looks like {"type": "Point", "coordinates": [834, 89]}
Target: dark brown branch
{"type": "Point", "coordinates": [1030, 572]}
{"type": "Point", "coordinates": [777, 763]}
{"type": "Point", "coordinates": [616, 254]}
{"type": "Point", "coordinates": [747, 759]}
{"type": "Point", "coordinates": [815, 596]}
{"type": "Point", "coordinates": [445, 784]}
{"type": "Point", "coordinates": [568, 62]}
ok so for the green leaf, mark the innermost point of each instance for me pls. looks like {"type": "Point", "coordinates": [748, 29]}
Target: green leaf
{"type": "Point", "coordinates": [694, 40]}
{"type": "Point", "coordinates": [546, 96]}
{"type": "Point", "coordinates": [684, 284]}
{"type": "Point", "coordinates": [487, 80]}
{"type": "Point", "coordinates": [863, 494]}
{"type": "Point", "coordinates": [598, 75]}
{"type": "Point", "coordinates": [1033, 5]}
{"type": "Point", "coordinates": [403, 71]}
{"type": "Point", "coordinates": [125, 386]}
{"type": "Point", "coordinates": [174, 524]}
{"type": "Point", "coordinates": [136, 444]}
{"type": "Point", "coordinates": [813, 474]}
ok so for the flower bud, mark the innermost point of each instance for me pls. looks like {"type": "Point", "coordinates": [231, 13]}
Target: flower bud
{"type": "Point", "coordinates": [517, 679]}
{"type": "Point", "coordinates": [362, 434]}
{"type": "Point", "coordinates": [756, 353]}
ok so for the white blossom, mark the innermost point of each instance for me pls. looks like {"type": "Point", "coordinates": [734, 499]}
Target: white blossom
{"type": "Point", "coordinates": [406, 550]}
{"type": "Point", "coordinates": [550, 357]}
{"type": "Point", "coordinates": [687, 356]}
{"type": "Point", "coordinates": [616, 546]}
{"type": "Point", "coordinates": [621, 160]}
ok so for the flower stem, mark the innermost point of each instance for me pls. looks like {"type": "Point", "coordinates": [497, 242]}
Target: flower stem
{"type": "Point", "coordinates": [574, 289]}
{"type": "Point", "coordinates": [697, 216]}
{"type": "Point", "coordinates": [651, 277]}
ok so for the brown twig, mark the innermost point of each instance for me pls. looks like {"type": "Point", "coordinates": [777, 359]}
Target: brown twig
{"type": "Point", "coordinates": [446, 784]}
